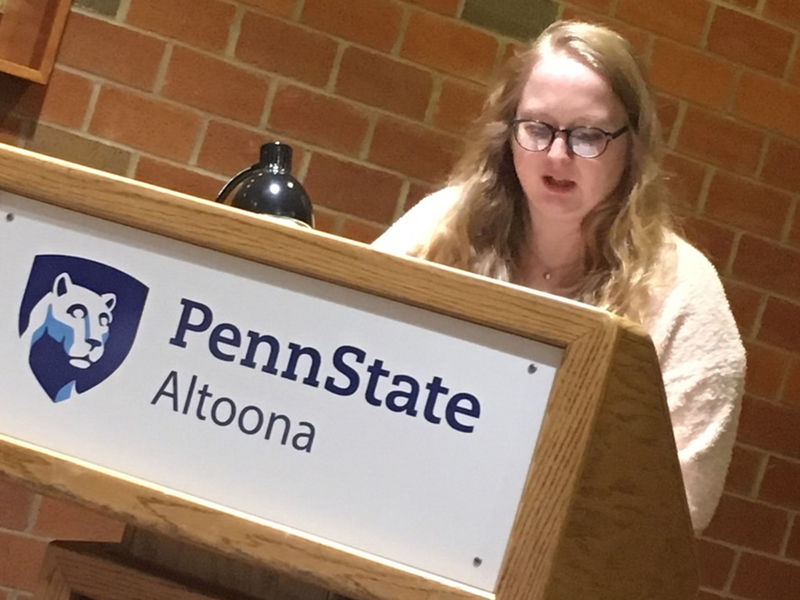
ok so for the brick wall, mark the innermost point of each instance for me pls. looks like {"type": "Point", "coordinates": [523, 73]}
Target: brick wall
{"type": "Point", "coordinates": [374, 95]}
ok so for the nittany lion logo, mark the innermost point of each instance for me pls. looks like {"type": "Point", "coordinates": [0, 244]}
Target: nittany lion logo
{"type": "Point", "coordinates": [78, 320]}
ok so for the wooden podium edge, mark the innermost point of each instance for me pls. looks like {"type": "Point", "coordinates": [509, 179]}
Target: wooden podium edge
{"type": "Point", "coordinates": [220, 529]}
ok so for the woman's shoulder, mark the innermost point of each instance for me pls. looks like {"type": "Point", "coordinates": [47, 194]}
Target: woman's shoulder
{"type": "Point", "coordinates": [695, 300]}
{"type": "Point", "coordinates": [419, 223]}
{"type": "Point", "coordinates": [690, 255]}
{"type": "Point", "coordinates": [694, 272]}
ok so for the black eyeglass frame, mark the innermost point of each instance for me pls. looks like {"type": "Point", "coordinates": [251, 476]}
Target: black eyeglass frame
{"type": "Point", "coordinates": [554, 131]}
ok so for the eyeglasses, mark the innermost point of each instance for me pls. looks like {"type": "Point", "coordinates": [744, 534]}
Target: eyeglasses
{"type": "Point", "coordinates": [586, 142]}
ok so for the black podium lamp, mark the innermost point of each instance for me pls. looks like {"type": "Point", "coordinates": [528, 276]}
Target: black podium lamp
{"type": "Point", "coordinates": [268, 187]}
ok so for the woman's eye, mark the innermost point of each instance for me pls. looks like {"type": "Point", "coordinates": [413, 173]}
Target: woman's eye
{"type": "Point", "coordinates": [587, 136]}
{"type": "Point", "coordinates": [537, 130]}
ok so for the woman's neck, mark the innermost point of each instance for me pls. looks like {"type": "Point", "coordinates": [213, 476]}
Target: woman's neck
{"type": "Point", "coordinates": [553, 261]}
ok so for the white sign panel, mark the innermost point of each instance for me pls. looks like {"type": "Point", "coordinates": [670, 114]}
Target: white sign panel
{"type": "Point", "coordinates": [367, 422]}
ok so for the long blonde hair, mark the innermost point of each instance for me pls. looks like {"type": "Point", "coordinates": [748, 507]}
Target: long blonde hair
{"type": "Point", "coordinates": [486, 232]}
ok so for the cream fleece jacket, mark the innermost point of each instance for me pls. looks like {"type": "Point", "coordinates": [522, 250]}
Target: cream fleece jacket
{"type": "Point", "coordinates": [701, 355]}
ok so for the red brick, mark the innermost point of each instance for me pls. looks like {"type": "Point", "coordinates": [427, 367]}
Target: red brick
{"type": "Point", "coordinates": [714, 241]}
{"type": "Point", "coordinates": [749, 41]}
{"type": "Point", "coordinates": [748, 205]}
{"type": "Point", "coordinates": [602, 6]}
{"type": "Point", "coordinates": [66, 99]}
{"type": "Point", "coordinates": [177, 178]}
{"type": "Point", "coordinates": [766, 368]}
{"type": "Point", "coordinates": [794, 77]}
{"type": "Point", "coordinates": [353, 189]}
{"type": "Point", "coordinates": [459, 105]}
{"type": "Point", "coordinates": [380, 81]}
{"type": "Point", "coordinates": [228, 149]}
{"type": "Point", "coordinates": [325, 220]}
{"type": "Point", "coordinates": [145, 123]}
{"type": "Point", "coordinates": [413, 150]}
{"type": "Point", "coordinates": [793, 547]}
{"type": "Point", "coordinates": [781, 483]}
{"type": "Point", "coordinates": [683, 20]}
{"type": "Point", "coordinates": [318, 119]}
{"type": "Point", "coordinates": [743, 470]}
{"type": "Point", "coordinates": [783, 11]}
{"type": "Point", "coordinates": [768, 102]}
{"type": "Point", "coordinates": [15, 505]}
{"type": "Point", "coordinates": [744, 303]}
{"type": "Point", "coordinates": [208, 27]}
{"type": "Point", "coordinates": [360, 231]}
{"type": "Point", "coordinates": [749, 524]}
{"type": "Point", "coordinates": [685, 178]}
{"type": "Point", "coordinates": [720, 140]}
{"type": "Point", "coordinates": [706, 595]}
{"type": "Point", "coordinates": [20, 97]}
{"type": "Point", "coordinates": [20, 561]}
{"type": "Point", "coordinates": [11, 129]}
{"type": "Point", "coordinates": [691, 74]}
{"type": "Point", "coordinates": [417, 192]}
{"type": "Point", "coordinates": [450, 46]}
{"type": "Point", "coordinates": [443, 7]}
{"type": "Point", "coordinates": [667, 109]}
{"type": "Point", "coordinates": [638, 38]}
{"type": "Point", "coordinates": [286, 49]}
{"type": "Point", "coordinates": [715, 562]}
{"type": "Point", "coordinates": [791, 392]}
{"type": "Point", "coordinates": [282, 8]}
{"type": "Point", "coordinates": [374, 23]}
{"type": "Point", "coordinates": [780, 324]}
{"type": "Point", "coordinates": [768, 266]}
{"type": "Point", "coordinates": [66, 520]}
{"type": "Point", "coordinates": [764, 578]}
{"type": "Point", "coordinates": [215, 86]}
{"type": "Point", "coordinates": [769, 426]}
{"type": "Point", "coordinates": [97, 46]}
{"type": "Point", "coordinates": [782, 167]}
{"type": "Point", "coordinates": [76, 148]}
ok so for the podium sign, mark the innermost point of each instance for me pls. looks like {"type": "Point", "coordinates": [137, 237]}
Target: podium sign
{"type": "Point", "coordinates": [337, 414]}
{"type": "Point", "coordinates": [292, 401]}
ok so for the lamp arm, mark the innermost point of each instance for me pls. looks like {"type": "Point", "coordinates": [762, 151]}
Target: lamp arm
{"type": "Point", "coordinates": [234, 181]}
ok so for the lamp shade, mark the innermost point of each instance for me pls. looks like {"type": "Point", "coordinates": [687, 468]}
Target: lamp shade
{"type": "Point", "coordinates": [269, 188]}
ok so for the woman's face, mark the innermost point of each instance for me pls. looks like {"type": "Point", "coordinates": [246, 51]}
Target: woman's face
{"type": "Point", "coordinates": [560, 186]}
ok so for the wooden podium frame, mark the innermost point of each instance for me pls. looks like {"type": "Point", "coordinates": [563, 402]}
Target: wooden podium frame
{"type": "Point", "coordinates": [603, 513]}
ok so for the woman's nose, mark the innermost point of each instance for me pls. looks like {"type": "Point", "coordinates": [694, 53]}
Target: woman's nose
{"type": "Point", "coordinates": [559, 148]}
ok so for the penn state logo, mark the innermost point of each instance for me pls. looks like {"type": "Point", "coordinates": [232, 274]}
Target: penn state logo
{"type": "Point", "coordinates": [78, 320]}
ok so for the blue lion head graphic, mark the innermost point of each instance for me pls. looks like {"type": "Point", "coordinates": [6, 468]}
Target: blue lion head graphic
{"type": "Point", "coordinates": [78, 319]}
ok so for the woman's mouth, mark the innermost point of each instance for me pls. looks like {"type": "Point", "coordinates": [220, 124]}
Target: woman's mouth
{"type": "Point", "coordinates": [558, 185]}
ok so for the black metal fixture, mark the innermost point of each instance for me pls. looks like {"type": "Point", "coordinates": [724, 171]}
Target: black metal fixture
{"type": "Point", "coordinates": [268, 187]}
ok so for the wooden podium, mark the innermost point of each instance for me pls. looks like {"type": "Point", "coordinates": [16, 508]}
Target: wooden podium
{"type": "Point", "coordinates": [602, 513]}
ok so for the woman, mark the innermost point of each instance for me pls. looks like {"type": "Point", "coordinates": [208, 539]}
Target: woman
{"type": "Point", "coordinates": [561, 191]}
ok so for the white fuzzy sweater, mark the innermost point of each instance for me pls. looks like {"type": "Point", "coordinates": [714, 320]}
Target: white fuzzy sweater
{"type": "Point", "coordinates": [698, 345]}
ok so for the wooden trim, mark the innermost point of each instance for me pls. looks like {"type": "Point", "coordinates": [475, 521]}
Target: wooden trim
{"type": "Point", "coordinates": [30, 33]}
{"type": "Point", "coordinates": [22, 71]}
{"type": "Point", "coordinates": [54, 40]}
